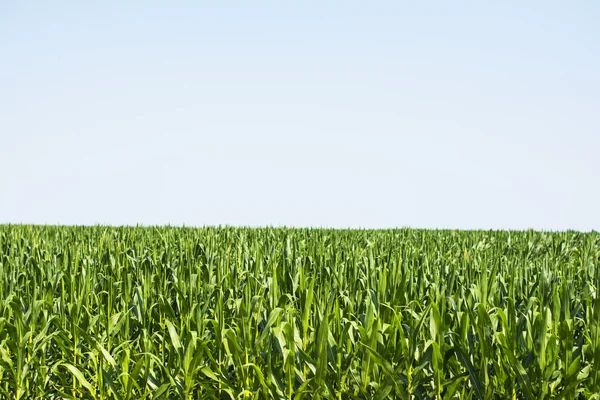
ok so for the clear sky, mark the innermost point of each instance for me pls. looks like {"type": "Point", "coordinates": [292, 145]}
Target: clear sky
{"type": "Point", "coordinates": [439, 114]}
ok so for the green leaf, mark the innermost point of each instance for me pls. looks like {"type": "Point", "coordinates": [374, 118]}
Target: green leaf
{"type": "Point", "coordinates": [466, 363]}
{"type": "Point", "coordinates": [80, 378]}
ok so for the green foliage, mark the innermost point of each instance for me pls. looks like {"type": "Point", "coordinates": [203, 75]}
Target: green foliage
{"type": "Point", "coordinates": [239, 313]}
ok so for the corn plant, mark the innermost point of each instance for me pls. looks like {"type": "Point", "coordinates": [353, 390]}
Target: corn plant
{"type": "Point", "coordinates": [278, 313]}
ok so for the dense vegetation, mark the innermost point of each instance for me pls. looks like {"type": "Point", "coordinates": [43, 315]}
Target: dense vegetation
{"type": "Point", "coordinates": [180, 313]}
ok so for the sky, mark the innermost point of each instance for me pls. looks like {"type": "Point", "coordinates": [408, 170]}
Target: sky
{"type": "Point", "coordinates": [462, 115]}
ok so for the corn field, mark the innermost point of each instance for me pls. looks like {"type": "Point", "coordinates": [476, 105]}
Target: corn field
{"type": "Point", "coordinates": [277, 313]}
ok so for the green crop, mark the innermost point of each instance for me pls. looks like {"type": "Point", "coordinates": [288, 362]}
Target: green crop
{"type": "Point", "coordinates": [240, 313]}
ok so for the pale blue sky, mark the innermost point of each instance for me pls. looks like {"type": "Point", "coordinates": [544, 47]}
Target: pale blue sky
{"type": "Point", "coordinates": [342, 114]}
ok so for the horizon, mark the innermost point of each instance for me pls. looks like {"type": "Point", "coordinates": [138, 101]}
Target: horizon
{"type": "Point", "coordinates": [288, 227]}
